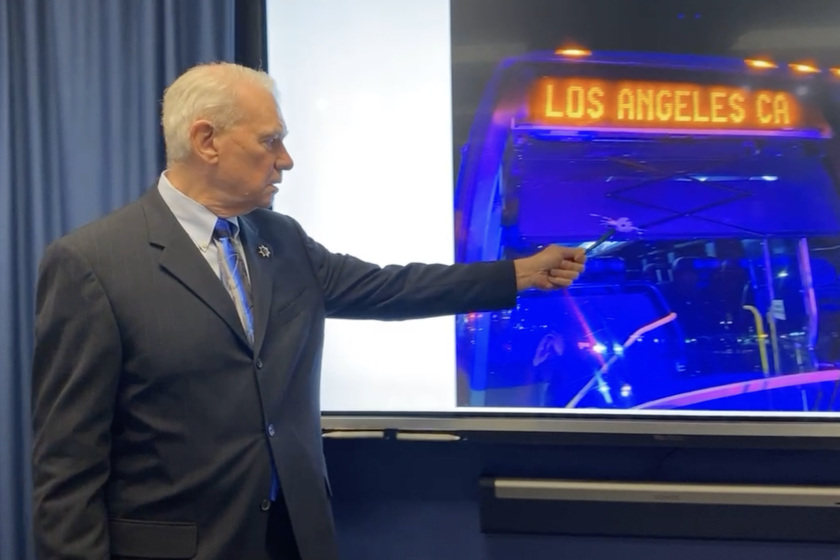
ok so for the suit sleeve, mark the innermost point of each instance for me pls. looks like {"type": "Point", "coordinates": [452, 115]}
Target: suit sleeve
{"type": "Point", "coordinates": [355, 289]}
{"type": "Point", "coordinates": [76, 366]}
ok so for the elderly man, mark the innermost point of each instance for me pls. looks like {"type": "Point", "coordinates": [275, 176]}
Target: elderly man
{"type": "Point", "coordinates": [176, 374]}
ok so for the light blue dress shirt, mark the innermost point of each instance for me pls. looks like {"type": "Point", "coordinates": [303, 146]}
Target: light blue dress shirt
{"type": "Point", "coordinates": [198, 222]}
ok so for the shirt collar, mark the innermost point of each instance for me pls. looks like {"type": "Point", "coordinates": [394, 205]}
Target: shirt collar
{"type": "Point", "coordinates": [196, 220]}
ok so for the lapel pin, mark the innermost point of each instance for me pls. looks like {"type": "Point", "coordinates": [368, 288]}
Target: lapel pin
{"type": "Point", "coordinates": [264, 251]}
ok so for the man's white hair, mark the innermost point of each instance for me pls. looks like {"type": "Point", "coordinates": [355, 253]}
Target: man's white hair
{"type": "Point", "coordinates": [206, 91]}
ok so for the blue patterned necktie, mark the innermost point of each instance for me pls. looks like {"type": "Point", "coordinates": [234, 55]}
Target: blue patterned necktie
{"type": "Point", "coordinates": [234, 275]}
{"type": "Point", "coordinates": [235, 279]}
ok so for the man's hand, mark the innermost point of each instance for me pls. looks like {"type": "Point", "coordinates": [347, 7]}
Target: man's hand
{"type": "Point", "coordinates": [552, 268]}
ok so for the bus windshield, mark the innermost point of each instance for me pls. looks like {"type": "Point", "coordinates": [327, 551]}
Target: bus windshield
{"type": "Point", "coordinates": [719, 288]}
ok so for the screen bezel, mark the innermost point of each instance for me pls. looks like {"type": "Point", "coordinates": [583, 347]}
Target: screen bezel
{"type": "Point", "coordinates": [655, 430]}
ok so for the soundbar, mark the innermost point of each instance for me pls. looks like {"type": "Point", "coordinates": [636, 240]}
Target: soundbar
{"type": "Point", "coordinates": [661, 510]}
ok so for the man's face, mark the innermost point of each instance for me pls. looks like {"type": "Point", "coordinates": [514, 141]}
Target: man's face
{"type": "Point", "coordinates": [251, 154]}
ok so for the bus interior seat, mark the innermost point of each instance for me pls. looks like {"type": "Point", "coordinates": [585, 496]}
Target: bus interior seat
{"type": "Point", "coordinates": [827, 292]}
{"type": "Point", "coordinates": [826, 285]}
{"type": "Point", "coordinates": [704, 298]}
{"type": "Point", "coordinates": [658, 273]}
{"type": "Point", "coordinates": [604, 270]}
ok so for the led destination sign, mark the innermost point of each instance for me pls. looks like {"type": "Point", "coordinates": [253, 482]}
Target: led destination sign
{"type": "Point", "coordinates": [604, 104]}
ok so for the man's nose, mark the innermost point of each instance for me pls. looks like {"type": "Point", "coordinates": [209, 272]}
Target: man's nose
{"type": "Point", "coordinates": [284, 162]}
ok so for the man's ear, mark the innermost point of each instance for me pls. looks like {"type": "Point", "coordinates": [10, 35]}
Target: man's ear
{"type": "Point", "coordinates": [204, 137]}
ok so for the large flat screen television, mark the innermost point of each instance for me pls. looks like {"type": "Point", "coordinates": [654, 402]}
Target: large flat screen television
{"type": "Point", "coordinates": [702, 136]}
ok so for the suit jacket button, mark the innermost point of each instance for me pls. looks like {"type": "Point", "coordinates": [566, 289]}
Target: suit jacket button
{"type": "Point", "coordinates": [265, 505]}
{"type": "Point", "coordinates": [271, 430]}
{"type": "Point", "coordinates": [259, 363]}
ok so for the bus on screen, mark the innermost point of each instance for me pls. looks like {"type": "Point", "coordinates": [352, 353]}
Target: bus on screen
{"type": "Point", "coordinates": [718, 287]}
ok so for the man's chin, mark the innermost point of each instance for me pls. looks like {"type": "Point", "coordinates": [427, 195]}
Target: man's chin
{"type": "Point", "coordinates": [268, 202]}
{"type": "Point", "coordinates": [268, 197]}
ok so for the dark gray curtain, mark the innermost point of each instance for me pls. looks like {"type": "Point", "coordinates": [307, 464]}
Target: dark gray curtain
{"type": "Point", "coordinates": [80, 85]}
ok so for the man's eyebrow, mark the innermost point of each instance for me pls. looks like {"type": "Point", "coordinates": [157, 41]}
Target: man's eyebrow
{"type": "Point", "coordinates": [276, 134]}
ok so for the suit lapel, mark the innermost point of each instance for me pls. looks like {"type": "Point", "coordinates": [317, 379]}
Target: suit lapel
{"type": "Point", "coordinates": [182, 259]}
{"type": "Point", "coordinates": [259, 256]}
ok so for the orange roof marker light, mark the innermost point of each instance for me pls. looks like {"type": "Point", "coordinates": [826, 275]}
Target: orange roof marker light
{"type": "Point", "coordinates": [573, 52]}
{"type": "Point", "coordinates": [836, 72]}
{"type": "Point", "coordinates": [761, 64]}
{"type": "Point", "coordinates": [803, 68]}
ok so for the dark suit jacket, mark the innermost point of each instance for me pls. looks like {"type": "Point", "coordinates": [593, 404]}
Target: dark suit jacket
{"type": "Point", "coordinates": [151, 411]}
